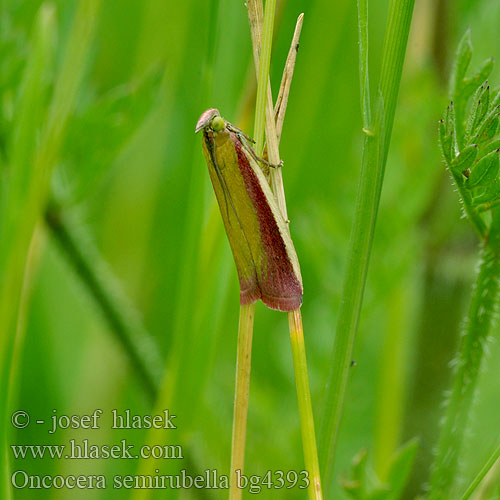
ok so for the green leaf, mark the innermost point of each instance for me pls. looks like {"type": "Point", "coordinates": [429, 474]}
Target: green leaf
{"type": "Point", "coordinates": [464, 160]}
{"type": "Point", "coordinates": [490, 130]}
{"type": "Point", "coordinates": [13, 47]}
{"type": "Point", "coordinates": [490, 146]}
{"type": "Point", "coordinates": [469, 85]}
{"type": "Point", "coordinates": [355, 486]}
{"type": "Point", "coordinates": [446, 142]}
{"type": "Point", "coordinates": [480, 106]}
{"type": "Point", "coordinates": [488, 196]}
{"type": "Point", "coordinates": [462, 61]}
{"type": "Point", "coordinates": [447, 134]}
{"type": "Point", "coordinates": [488, 127]}
{"type": "Point", "coordinates": [381, 492]}
{"type": "Point", "coordinates": [401, 468]}
{"type": "Point", "coordinates": [495, 98]}
{"type": "Point", "coordinates": [485, 171]}
{"type": "Point", "coordinates": [352, 488]}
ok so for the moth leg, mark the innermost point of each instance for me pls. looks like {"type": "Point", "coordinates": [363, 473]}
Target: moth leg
{"type": "Point", "coordinates": [240, 133]}
{"type": "Point", "coordinates": [258, 159]}
{"type": "Point", "coordinates": [271, 165]}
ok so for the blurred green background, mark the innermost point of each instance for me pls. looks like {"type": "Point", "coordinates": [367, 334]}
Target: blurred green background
{"type": "Point", "coordinates": [132, 177]}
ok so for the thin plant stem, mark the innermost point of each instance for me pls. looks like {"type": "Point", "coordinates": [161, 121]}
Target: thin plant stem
{"type": "Point", "coordinates": [273, 134]}
{"type": "Point", "coordinates": [484, 303]}
{"type": "Point", "coordinates": [254, 8]}
{"type": "Point", "coordinates": [121, 316]}
{"type": "Point", "coordinates": [264, 62]}
{"type": "Point", "coordinates": [245, 332]}
{"type": "Point", "coordinates": [305, 406]}
{"type": "Point", "coordinates": [286, 80]}
{"type": "Point", "coordinates": [487, 467]}
{"type": "Point", "coordinates": [241, 393]}
{"type": "Point", "coordinates": [376, 145]}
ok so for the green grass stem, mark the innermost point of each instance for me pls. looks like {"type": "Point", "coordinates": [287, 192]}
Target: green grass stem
{"type": "Point", "coordinates": [263, 76]}
{"type": "Point", "coordinates": [305, 405]}
{"type": "Point", "coordinates": [19, 213]}
{"type": "Point", "coordinates": [485, 469]}
{"type": "Point", "coordinates": [245, 331]}
{"type": "Point", "coordinates": [376, 145]}
{"type": "Point", "coordinates": [273, 134]}
{"type": "Point", "coordinates": [241, 395]}
{"type": "Point", "coordinates": [120, 315]}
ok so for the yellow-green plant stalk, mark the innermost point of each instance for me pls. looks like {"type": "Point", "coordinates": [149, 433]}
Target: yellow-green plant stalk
{"type": "Point", "coordinates": [263, 251]}
{"type": "Point", "coordinates": [305, 404]}
{"type": "Point", "coordinates": [261, 41]}
{"type": "Point", "coordinates": [256, 223]}
{"type": "Point", "coordinates": [259, 235]}
{"type": "Point", "coordinates": [241, 396]}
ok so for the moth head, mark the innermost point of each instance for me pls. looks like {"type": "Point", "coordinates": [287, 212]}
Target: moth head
{"type": "Point", "coordinates": [211, 120]}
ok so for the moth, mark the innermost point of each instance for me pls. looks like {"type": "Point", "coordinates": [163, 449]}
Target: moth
{"type": "Point", "coordinates": [266, 261]}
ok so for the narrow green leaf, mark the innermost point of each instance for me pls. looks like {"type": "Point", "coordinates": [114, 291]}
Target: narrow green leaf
{"type": "Point", "coordinates": [464, 160]}
{"type": "Point", "coordinates": [489, 125]}
{"type": "Point", "coordinates": [488, 196]}
{"type": "Point", "coordinates": [490, 130]}
{"type": "Point", "coordinates": [359, 463]}
{"type": "Point", "coordinates": [462, 61]}
{"type": "Point", "coordinates": [381, 492]}
{"type": "Point", "coordinates": [495, 98]}
{"type": "Point", "coordinates": [485, 171]}
{"type": "Point", "coordinates": [355, 486]}
{"type": "Point", "coordinates": [21, 191]}
{"type": "Point", "coordinates": [372, 174]}
{"type": "Point", "coordinates": [492, 459]}
{"type": "Point", "coordinates": [446, 142]}
{"type": "Point", "coordinates": [470, 84]}
{"type": "Point", "coordinates": [480, 106]}
{"type": "Point", "coordinates": [451, 127]}
{"type": "Point", "coordinates": [490, 146]}
{"type": "Point", "coordinates": [364, 79]}
{"type": "Point", "coordinates": [401, 468]}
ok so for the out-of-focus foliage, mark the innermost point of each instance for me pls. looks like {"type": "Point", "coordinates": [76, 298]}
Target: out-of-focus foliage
{"type": "Point", "coordinates": [133, 171]}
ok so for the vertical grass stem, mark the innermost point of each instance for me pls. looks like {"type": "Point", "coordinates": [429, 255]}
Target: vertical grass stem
{"type": "Point", "coordinates": [305, 406]}
{"type": "Point", "coordinates": [241, 394]}
{"type": "Point", "coordinates": [376, 146]}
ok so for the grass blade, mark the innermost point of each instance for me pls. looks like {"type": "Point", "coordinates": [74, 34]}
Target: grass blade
{"type": "Point", "coordinates": [374, 158]}
{"type": "Point", "coordinates": [106, 291]}
{"type": "Point", "coordinates": [20, 211]}
{"type": "Point", "coordinates": [31, 168]}
{"type": "Point", "coordinates": [481, 474]}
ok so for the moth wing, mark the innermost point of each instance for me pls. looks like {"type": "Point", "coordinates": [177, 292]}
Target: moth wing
{"type": "Point", "coordinates": [278, 271]}
{"type": "Point", "coordinates": [237, 213]}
